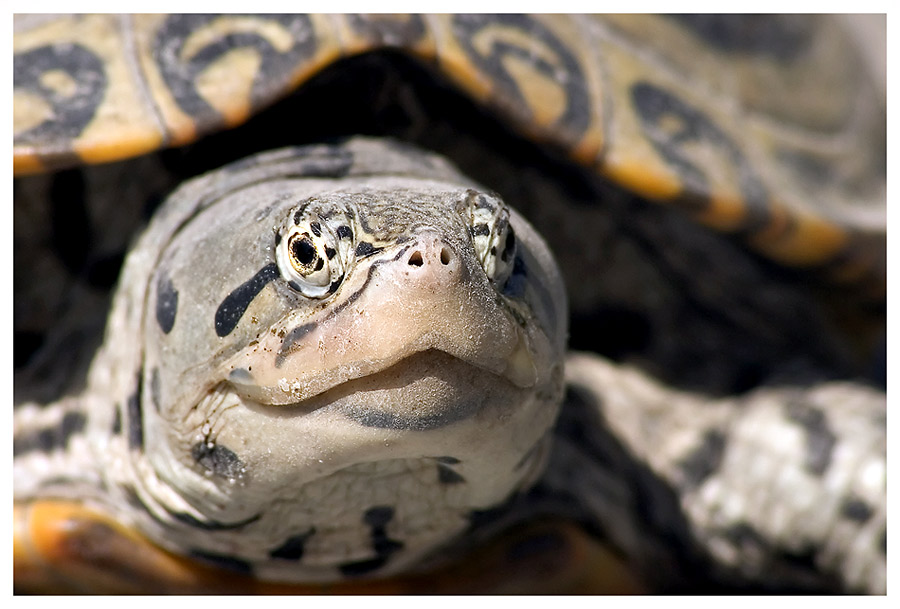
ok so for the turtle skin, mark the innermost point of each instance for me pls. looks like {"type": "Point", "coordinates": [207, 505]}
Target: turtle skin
{"type": "Point", "coordinates": [648, 127]}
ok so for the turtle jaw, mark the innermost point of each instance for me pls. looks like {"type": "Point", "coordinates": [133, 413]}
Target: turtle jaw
{"type": "Point", "coordinates": [427, 390]}
{"type": "Point", "coordinates": [518, 368]}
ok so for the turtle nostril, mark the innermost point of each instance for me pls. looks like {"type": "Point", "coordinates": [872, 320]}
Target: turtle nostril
{"type": "Point", "coordinates": [415, 259]}
{"type": "Point", "coordinates": [445, 256]}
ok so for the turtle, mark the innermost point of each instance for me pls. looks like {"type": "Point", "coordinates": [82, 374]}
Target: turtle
{"type": "Point", "coordinates": [703, 194]}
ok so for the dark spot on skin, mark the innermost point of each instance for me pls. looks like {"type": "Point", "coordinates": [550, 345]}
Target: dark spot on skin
{"type": "Point", "coordinates": [43, 440]}
{"type": "Point", "coordinates": [166, 304]}
{"type": "Point", "coordinates": [294, 285]}
{"type": "Point", "coordinates": [330, 252]}
{"type": "Point", "coordinates": [135, 416]}
{"type": "Point", "coordinates": [703, 461]}
{"type": "Point", "coordinates": [334, 286]}
{"type": "Point", "coordinates": [856, 509]}
{"type": "Point", "coordinates": [235, 304]}
{"type": "Point", "coordinates": [480, 230]}
{"type": "Point", "coordinates": [366, 249]}
{"type": "Point", "coordinates": [292, 549]}
{"type": "Point", "coordinates": [218, 459]}
{"type": "Point", "coordinates": [319, 264]}
{"type": "Point", "coordinates": [277, 239]}
{"type": "Point", "coordinates": [446, 475]}
{"type": "Point", "coordinates": [484, 203]}
{"type": "Point", "coordinates": [117, 421]}
{"type": "Point", "coordinates": [316, 228]}
{"type": "Point", "coordinates": [72, 423]}
{"type": "Point", "coordinates": [744, 535]}
{"type": "Point", "coordinates": [748, 541]}
{"type": "Point", "coordinates": [225, 562]}
{"type": "Point", "coordinates": [50, 438]}
{"type": "Point", "coordinates": [377, 518]}
{"type": "Point", "coordinates": [298, 217]}
{"type": "Point", "coordinates": [344, 232]}
{"type": "Point", "coordinates": [132, 498]}
{"type": "Point", "coordinates": [292, 337]}
{"type": "Point", "coordinates": [155, 388]}
{"type": "Point", "coordinates": [390, 420]}
{"type": "Point", "coordinates": [820, 440]}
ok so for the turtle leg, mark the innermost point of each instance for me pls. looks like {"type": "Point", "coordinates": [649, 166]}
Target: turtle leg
{"type": "Point", "coordinates": [780, 489]}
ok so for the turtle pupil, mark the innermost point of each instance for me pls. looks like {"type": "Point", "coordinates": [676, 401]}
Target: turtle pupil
{"type": "Point", "coordinates": [304, 252]}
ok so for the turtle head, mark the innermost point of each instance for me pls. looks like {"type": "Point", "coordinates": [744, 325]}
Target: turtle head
{"type": "Point", "coordinates": [342, 347]}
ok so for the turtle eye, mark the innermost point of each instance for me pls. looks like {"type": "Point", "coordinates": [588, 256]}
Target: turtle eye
{"type": "Point", "coordinates": [309, 257]}
{"type": "Point", "coordinates": [493, 238]}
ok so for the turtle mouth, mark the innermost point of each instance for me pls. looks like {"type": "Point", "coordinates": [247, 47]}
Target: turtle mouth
{"type": "Point", "coordinates": [427, 390]}
{"type": "Point", "coordinates": [517, 370]}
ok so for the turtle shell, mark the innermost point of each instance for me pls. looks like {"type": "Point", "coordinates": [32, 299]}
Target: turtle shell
{"type": "Point", "coordinates": [768, 127]}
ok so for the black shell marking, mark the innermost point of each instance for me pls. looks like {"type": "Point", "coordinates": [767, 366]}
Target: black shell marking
{"type": "Point", "coordinates": [70, 115]}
